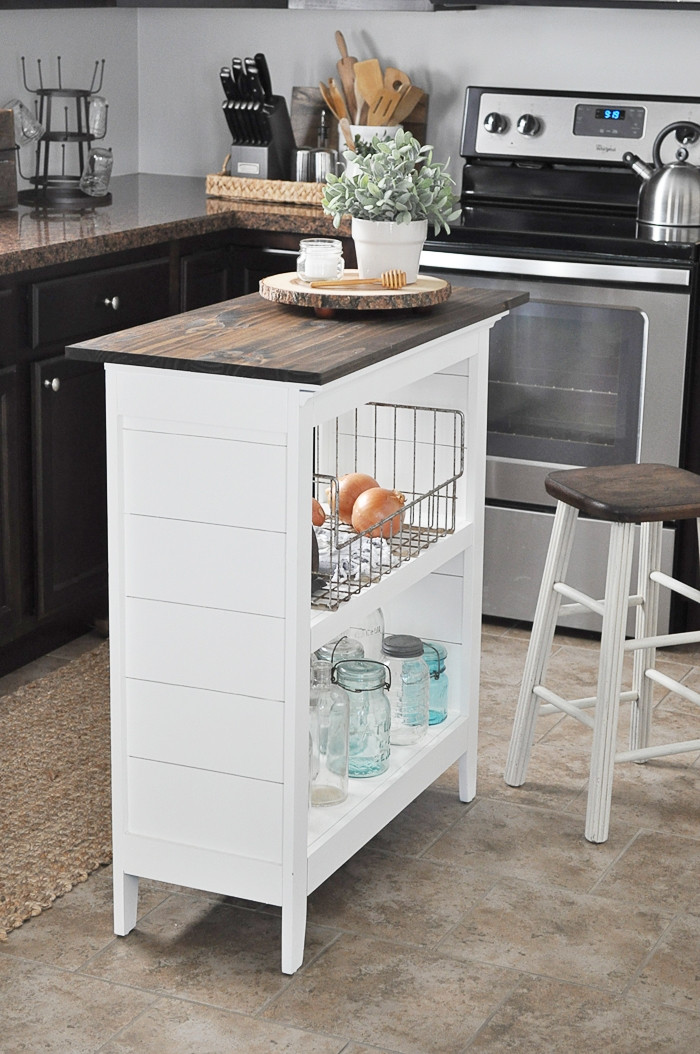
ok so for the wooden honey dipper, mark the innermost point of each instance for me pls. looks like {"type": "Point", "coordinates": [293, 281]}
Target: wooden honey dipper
{"type": "Point", "coordinates": [392, 279]}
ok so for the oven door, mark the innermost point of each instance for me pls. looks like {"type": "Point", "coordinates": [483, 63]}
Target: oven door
{"type": "Point", "coordinates": [589, 372]}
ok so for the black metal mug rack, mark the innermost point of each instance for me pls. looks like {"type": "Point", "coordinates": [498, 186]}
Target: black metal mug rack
{"type": "Point", "coordinates": [57, 183]}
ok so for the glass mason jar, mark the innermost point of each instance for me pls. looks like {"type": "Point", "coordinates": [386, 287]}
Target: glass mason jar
{"type": "Point", "coordinates": [329, 718]}
{"type": "Point", "coordinates": [370, 715]}
{"type": "Point", "coordinates": [370, 633]}
{"type": "Point", "coordinates": [320, 258]}
{"type": "Point", "coordinates": [410, 687]}
{"type": "Point", "coordinates": [435, 655]}
{"type": "Point", "coordinates": [338, 649]}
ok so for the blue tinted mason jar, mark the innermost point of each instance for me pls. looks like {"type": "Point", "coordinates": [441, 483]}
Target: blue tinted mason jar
{"type": "Point", "coordinates": [435, 655]}
{"type": "Point", "coordinates": [370, 715]}
{"type": "Point", "coordinates": [410, 687]}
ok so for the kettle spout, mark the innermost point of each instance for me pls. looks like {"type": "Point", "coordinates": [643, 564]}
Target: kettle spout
{"type": "Point", "coordinates": [638, 166]}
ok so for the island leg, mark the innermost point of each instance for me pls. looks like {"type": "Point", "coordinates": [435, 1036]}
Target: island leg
{"type": "Point", "coordinates": [126, 902]}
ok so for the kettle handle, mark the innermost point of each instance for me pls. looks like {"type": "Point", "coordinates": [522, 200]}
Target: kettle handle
{"type": "Point", "coordinates": [656, 152]}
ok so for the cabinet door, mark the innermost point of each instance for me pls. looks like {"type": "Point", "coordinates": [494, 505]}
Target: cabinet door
{"type": "Point", "coordinates": [208, 278]}
{"type": "Point", "coordinates": [70, 496]}
{"type": "Point", "coordinates": [10, 576]}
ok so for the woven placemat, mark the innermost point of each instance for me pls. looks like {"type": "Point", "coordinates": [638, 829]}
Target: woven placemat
{"type": "Point", "coordinates": [55, 823]}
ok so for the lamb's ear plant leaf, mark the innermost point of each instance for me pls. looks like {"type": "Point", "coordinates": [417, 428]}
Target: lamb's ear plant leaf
{"type": "Point", "coordinates": [395, 180]}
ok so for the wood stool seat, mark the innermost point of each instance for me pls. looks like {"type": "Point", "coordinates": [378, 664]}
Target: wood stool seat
{"type": "Point", "coordinates": [624, 495]}
{"type": "Point", "coordinates": [628, 493]}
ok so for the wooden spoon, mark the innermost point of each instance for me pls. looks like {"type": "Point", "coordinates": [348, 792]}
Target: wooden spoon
{"type": "Point", "coordinates": [346, 72]}
{"type": "Point", "coordinates": [328, 99]}
{"type": "Point", "coordinates": [339, 107]}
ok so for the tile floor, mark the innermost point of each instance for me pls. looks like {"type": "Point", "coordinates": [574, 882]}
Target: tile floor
{"type": "Point", "coordinates": [490, 927]}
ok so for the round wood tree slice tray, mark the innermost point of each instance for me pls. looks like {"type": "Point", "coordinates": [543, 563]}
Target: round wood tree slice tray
{"type": "Point", "coordinates": [289, 289]}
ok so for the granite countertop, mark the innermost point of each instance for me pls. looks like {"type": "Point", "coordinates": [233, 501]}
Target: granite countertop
{"type": "Point", "coordinates": [145, 210]}
{"type": "Point", "coordinates": [253, 337]}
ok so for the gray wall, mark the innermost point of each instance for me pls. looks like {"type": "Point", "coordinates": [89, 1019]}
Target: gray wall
{"type": "Point", "coordinates": [162, 64]}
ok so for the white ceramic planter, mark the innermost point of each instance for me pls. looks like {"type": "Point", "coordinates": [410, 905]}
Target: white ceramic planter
{"type": "Point", "coordinates": [381, 246]}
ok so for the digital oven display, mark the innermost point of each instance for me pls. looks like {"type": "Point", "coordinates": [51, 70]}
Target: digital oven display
{"type": "Point", "coordinates": [609, 113]}
{"type": "Point", "coordinates": [621, 122]}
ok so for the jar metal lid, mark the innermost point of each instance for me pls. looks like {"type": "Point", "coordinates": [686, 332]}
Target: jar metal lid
{"type": "Point", "coordinates": [403, 646]}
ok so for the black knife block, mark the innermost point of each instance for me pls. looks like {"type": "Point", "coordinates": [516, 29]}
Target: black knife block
{"type": "Point", "coordinates": [271, 159]}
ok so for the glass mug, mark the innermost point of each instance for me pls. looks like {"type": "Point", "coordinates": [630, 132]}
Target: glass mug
{"type": "Point", "coordinates": [98, 168]}
{"type": "Point", "coordinates": [27, 127]}
{"type": "Point", "coordinates": [97, 116]}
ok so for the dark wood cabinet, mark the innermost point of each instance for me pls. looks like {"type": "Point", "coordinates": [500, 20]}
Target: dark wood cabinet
{"type": "Point", "coordinates": [10, 564]}
{"type": "Point", "coordinates": [53, 530]}
{"type": "Point", "coordinates": [70, 492]}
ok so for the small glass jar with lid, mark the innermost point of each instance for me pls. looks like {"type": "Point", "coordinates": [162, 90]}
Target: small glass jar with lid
{"type": "Point", "coordinates": [320, 258]}
{"type": "Point", "coordinates": [329, 716]}
{"type": "Point", "coordinates": [410, 687]}
{"type": "Point", "coordinates": [370, 715]}
{"type": "Point", "coordinates": [435, 655]}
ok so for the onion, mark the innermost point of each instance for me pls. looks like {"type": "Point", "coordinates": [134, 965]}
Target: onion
{"type": "Point", "coordinates": [374, 505]}
{"type": "Point", "coordinates": [350, 486]}
{"type": "Point", "coordinates": [318, 516]}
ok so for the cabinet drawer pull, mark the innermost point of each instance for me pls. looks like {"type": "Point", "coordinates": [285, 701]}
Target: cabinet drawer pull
{"type": "Point", "coordinates": [112, 302]}
{"type": "Point", "coordinates": [54, 384]}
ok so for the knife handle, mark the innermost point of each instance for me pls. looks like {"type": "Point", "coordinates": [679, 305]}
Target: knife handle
{"type": "Point", "coordinates": [264, 74]}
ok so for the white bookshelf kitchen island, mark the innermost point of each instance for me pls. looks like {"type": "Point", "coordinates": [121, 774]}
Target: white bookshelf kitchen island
{"type": "Point", "coordinates": [214, 419]}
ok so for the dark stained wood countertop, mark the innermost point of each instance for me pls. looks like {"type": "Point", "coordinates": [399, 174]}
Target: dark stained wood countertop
{"type": "Point", "coordinates": [253, 337]}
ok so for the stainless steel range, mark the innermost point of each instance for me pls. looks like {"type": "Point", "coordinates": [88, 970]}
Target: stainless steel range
{"type": "Point", "coordinates": [600, 366]}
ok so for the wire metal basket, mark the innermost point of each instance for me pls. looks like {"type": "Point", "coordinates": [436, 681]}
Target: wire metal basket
{"type": "Point", "coordinates": [416, 450]}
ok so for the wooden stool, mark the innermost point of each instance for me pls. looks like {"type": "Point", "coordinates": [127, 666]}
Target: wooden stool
{"type": "Point", "coordinates": [625, 495]}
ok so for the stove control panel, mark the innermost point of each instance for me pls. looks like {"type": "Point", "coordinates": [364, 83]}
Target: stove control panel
{"type": "Point", "coordinates": [542, 126]}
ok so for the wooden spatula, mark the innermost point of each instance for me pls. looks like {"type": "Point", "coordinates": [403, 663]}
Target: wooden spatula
{"type": "Point", "coordinates": [369, 79]}
{"type": "Point", "coordinates": [410, 98]}
{"type": "Point", "coordinates": [339, 107]}
{"type": "Point", "coordinates": [346, 72]}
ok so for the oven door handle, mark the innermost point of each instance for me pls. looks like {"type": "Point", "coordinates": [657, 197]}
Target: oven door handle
{"type": "Point", "coordinates": [514, 266]}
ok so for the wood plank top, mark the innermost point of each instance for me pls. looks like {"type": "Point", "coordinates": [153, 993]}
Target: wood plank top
{"type": "Point", "coordinates": [253, 337]}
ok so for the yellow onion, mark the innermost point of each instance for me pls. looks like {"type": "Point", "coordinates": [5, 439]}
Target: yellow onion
{"type": "Point", "coordinates": [318, 516]}
{"type": "Point", "coordinates": [373, 506]}
{"type": "Point", "coordinates": [350, 486]}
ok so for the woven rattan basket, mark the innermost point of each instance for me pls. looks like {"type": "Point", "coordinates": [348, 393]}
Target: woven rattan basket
{"type": "Point", "coordinates": [265, 190]}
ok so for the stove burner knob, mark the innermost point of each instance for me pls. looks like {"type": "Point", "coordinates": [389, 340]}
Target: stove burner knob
{"type": "Point", "coordinates": [528, 124]}
{"type": "Point", "coordinates": [496, 123]}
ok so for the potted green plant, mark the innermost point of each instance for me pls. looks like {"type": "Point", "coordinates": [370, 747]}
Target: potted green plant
{"type": "Point", "coordinates": [392, 191]}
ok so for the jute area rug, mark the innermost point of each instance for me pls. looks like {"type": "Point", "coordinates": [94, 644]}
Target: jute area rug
{"type": "Point", "coordinates": [55, 825]}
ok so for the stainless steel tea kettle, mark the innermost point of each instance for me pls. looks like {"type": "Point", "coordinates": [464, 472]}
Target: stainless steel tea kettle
{"type": "Point", "coordinates": [670, 194]}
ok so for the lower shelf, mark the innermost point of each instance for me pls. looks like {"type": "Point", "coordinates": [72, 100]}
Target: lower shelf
{"type": "Point", "coordinates": [336, 833]}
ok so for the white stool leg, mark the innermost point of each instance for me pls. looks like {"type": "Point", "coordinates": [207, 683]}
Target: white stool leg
{"type": "Point", "coordinates": [540, 645]}
{"type": "Point", "coordinates": [645, 626]}
{"type": "Point", "coordinates": [617, 585]}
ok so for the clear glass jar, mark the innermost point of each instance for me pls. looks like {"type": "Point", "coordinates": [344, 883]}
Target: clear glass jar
{"type": "Point", "coordinates": [435, 655]}
{"type": "Point", "coordinates": [96, 174]}
{"type": "Point", "coordinates": [346, 647]}
{"type": "Point", "coordinates": [370, 633]}
{"type": "Point", "coordinates": [370, 715]}
{"type": "Point", "coordinates": [329, 721]}
{"type": "Point", "coordinates": [409, 691]}
{"type": "Point", "coordinates": [320, 258]}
